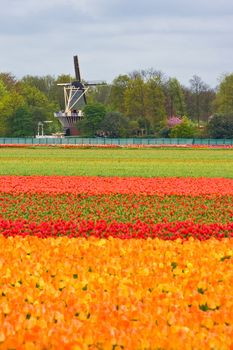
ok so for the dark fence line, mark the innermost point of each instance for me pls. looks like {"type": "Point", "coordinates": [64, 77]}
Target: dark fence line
{"type": "Point", "coordinates": [111, 141]}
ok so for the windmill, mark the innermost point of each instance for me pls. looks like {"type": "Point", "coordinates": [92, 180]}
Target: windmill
{"type": "Point", "coordinates": [75, 100]}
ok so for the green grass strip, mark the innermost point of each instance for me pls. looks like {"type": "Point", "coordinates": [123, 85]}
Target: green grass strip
{"type": "Point", "coordinates": [117, 162]}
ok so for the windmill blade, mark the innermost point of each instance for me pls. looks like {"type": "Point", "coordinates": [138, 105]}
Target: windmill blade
{"type": "Point", "coordinates": [64, 84]}
{"type": "Point", "coordinates": [96, 83]}
{"type": "Point", "coordinates": [76, 68]}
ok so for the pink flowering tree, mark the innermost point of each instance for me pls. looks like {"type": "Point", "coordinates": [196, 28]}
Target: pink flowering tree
{"type": "Point", "coordinates": [173, 121]}
{"type": "Point", "coordinates": [178, 127]}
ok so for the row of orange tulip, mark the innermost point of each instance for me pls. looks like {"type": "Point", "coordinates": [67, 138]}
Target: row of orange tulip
{"type": "Point", "coordinates": [115, 294]}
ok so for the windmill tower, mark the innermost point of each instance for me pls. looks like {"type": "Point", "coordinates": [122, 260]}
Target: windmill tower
{"type": "Point", "coordinates": [75, 100]}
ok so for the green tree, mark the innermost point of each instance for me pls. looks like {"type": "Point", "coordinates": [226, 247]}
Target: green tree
{"type": "Point", "coordinates": [20, 123]}
{"type": "Point", "coordinates": [9, 81]}
{"type": "Point", "coordinates": [40, 107]}
{"type": "Point", "coordinates": [117, 93]}
{"type": "Point", "coordinates": [10, 100]}
{"type": "Point", "coordinates": [134, 128]}
{"type": "Point", "coordinates": [115, 125]}
{"type": "Point", "coordinates": [151, 74]}
{"type": "Point", "coordinates": [145, 100]}
{"type": "Point", "coordinates": [176, 102]}
{"type": "Point", "coordinates": [224, 97]}
{"type": "Point", "coordinates": [220, 126]}
{"type": "Point", "coordinates": [135, 99]}
{"type": "Point", "coordinates": [99, 94]}
{"type": "Point", "coordinates": [4, 113]}
{"type": "Point", "coordinates": [94, 114]}
{"type": "Point", "coordinates": [206, 107]}
{"type": "Point", "coordinates": [200, 99]}
{"type": "Point", "coordinates": [154, 104]}
{"type": "Point", "coordinates": [3, 90]}
{"type": "Point", "coordinates": [46, 84]}
{"type": "Point", "coordinates": [9, 104]}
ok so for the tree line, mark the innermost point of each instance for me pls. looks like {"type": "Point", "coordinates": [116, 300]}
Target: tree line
{"type": "Point", "coordinates": [142, 103]}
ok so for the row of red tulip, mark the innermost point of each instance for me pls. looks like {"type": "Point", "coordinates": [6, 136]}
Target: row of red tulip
{"type": "Point", "coordinates": [106, 185]}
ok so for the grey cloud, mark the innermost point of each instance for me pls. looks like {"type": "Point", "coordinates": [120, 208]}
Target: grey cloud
{"type": "Point", "coordinates": [42, 20]}
{"type": "Point", "coordinates": [131, 8]}
{"type": "Point", "coordinates": [179, 37]}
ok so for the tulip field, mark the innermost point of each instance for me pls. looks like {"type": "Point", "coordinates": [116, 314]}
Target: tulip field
{"type": "Point", "coordinates": [115, 262]}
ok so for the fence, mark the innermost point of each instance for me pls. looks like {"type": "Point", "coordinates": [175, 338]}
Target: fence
{"type": "Point", "coordinates": [112, 141]}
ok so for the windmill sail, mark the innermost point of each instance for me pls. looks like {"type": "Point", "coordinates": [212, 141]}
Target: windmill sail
{"type": "Point", "coordinates": [76, 69]}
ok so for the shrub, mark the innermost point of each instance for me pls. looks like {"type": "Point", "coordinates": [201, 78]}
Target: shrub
{"type": "Point", "coordinates": [185, 129]}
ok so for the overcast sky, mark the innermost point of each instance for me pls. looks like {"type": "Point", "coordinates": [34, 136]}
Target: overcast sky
{"type": "Point", "coordinates": [179, 37]}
